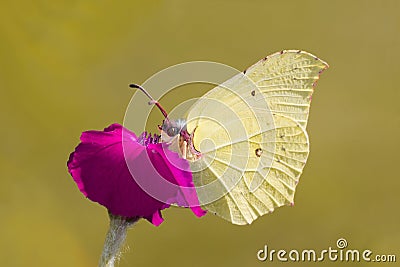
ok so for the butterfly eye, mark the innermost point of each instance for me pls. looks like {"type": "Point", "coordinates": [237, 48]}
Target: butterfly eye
{"type": "Point", "coordinates": [172, 131]}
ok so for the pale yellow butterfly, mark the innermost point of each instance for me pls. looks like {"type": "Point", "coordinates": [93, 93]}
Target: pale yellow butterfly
{"type": "Point", "coordinates": [246, 139]}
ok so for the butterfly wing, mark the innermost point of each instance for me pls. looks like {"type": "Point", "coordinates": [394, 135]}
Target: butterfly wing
{"type": "Point", "coordinates": [251, 135]}
{"type": "Point", "coordinates": [287, 80]}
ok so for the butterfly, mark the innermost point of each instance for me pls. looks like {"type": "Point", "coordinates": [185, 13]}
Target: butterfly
{"type": "Point", "coordinates": [246, 139]}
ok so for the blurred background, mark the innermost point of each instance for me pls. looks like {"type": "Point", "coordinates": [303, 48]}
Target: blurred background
{"type": "Point", "coordinates": [65, 67]}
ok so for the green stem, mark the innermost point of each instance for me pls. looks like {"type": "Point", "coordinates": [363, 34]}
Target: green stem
{"type": "Point", "coordinates": [115, 238]}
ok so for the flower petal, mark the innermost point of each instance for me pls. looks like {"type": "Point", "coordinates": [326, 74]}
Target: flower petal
{"type": "Point", "coordinates": [177, 171]}
{"type": "Point", "coordinates": [99, 167]}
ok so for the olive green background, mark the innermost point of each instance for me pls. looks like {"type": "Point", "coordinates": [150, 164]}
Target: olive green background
{"type": "Point", "coordinates": [65, 67]}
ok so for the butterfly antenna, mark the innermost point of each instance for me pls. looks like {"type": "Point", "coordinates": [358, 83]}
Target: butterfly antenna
{"type": "Point", "coordinates": [152, 100]}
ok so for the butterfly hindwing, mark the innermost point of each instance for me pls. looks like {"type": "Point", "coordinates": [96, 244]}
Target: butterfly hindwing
{"type": "Point", "coordinates": [278, 170]}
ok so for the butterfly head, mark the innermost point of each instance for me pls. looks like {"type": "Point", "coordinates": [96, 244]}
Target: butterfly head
{"type": "Point", "coordinates": [174, 132]}
{"type": "Point", "coordinates": [173, 128]}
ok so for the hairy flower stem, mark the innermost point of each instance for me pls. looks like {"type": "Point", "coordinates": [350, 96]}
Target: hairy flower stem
{"type": "Point", "coordinates": [115, 239]}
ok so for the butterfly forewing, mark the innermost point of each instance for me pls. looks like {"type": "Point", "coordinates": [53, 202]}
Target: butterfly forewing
{"type": "Point", "coordinates": [287, 80]}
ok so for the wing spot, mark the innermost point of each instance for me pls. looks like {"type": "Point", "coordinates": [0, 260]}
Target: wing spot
{"type": "Point", "coordinates": [259, 151]}
{"type": "Point", "coordinates": [244, 72]}
{"type": "Point", "coordinates": [253, 93]}
{"type": "Point", "coordinates": [282, 135]}
{"type": "Point", "coordinates": [283, 51]}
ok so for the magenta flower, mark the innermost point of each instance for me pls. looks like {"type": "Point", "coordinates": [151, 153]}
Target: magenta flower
{"type": "Point", "coordinates": [133, 177]}
{"type": "Point", "coordinates": [118, 170]}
